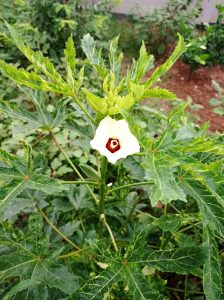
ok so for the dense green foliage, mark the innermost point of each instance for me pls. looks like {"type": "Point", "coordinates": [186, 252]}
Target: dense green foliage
{"type": "Point", "coordinates": [207, 47]}
{"type": "Point", "coordinates": [49, 23]}
{"type": "Point", "coordinates": [74, 227]}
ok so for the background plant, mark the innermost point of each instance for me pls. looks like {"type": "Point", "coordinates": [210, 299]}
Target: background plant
{"type": "Point", "coordinates": [158, 27]}
{"type": "Point", "coordinates": [205, 48]}
{"type": "Point", "coordinates": [218, 102]}
{"type": "Point", "coordinates": [49, 23]}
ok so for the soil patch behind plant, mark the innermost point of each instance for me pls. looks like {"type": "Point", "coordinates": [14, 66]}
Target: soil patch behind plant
{"type": "Point", "coordinates": [198, 86]}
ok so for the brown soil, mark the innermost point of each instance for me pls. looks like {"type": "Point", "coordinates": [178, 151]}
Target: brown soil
{"type": "Point", "coordinates": [198, 86]}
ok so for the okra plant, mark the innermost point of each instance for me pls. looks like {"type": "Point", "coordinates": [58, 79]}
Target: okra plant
{"type": "Point", "coordinates": [218, 103]}
{"type": "Point", "coordinates": [93, 204]}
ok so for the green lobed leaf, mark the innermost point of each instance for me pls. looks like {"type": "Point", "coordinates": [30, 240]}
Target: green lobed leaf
{"type": "Point", "coordinates": [11, 161]}
{"type": "Point", "coordinates": [212, 274]}
{"type": "Point", "coordinates": [19, 175]}
{"type": "Point", "coordinates": [97, 103]}
{"type": "Point", "coordinates": [16, 264]}
{"type": "Point", "coordinates": [165, 188]}
{"type": "Point", "coordinates": [90, 172]}
{"type": "Point", "coordinates": [138, 91]}
{"type": "Point", "coordinates": [22, 285]}
{"type": "Point", "coordinates": [42, 118]}
{"type": "Point", "coordinates": [94, 56]}
{"type": "Point", "coordinates": [15, 111]}
{"type": "Point", "coordinates": [141, 66]}
{"type": "Point", "coordinates": [209, 175]}
{"type": "Point", "coordinates": [58, 277]}
{"type": "Point", "coordinates": [8, 193]}
{"type": "Point", "coordinates": [36, 58]}
{"type": "Point", "coordinates": [211, 210]}
{"type": "Point", "coordinates": [45, 184]}
{"type": "Point", "coordinates": [138, 285]}
{"type": "Point", "coordinates": [181, 261]}
{"type": "Point", "coordinates": [36, 293]}
{"type": "Point", "coordinates": [123, 102]}
{"type": "Point", "coordinates": [70, 59]}
{"type": "Point", "coordinates": [176, 114]}
{"type": "Point", "coordinates": [169, 223]}
{"type": "Point", "coordinates": [27, 156]}
{"type": "Point", "coordinates": [202, 144]}
{"type": "Point", "coordinates": [172, 222]}
{"type": "Point", "coordinates": [160, 94]}
{"type": "Point", "coordinates": [32, 80]}
{"type": "Point", "coordinates": [95, 288]}
{"type": "Point", "coordinates": [115, 59]}
{"type": "Point", "coordinates": [80, 79]}
{"type": "Point", "coordinates": [28, 257]}
{"type": "Point", "coordinates": [161, 70]}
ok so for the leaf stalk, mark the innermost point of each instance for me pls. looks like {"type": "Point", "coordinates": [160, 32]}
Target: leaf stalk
{"type": "Point", "coordinates": [72, 165]}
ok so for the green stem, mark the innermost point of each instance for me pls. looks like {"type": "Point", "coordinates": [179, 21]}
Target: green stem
{"type": "Point", "coordinates": [129, 185]}
{"type": "Point", "coordinates": [165, 210]}
{"type": "Point", "coordinates": [72, 165]}
{"type": "Point", "coordinates": [103, 220]}
{"type": "Point", "coordinates": [37, 141]}
{"type": "Point", "coordinates": [84, 110]}
{"type": "Point", "coordinates": [80, 182]}
{"type": "Point", "coordinates": [178, 211]}
{"type": "Point", "coordinates": [72, 253]}
{"type": "Point", "coordinates": [140, 154]}
{"type": "Point", "coordinates": [163, 240]}
{"type": "Point", "coordinates": [132, 209]}
{"type": "Point", "coordinates": [188, 227]}
{"type": "Point", "coordinates": [179, 290]}
{"type": "Point", "coordinates": [103, 172]}
{"type": "Point", "coordinates": [56, 229]}
{"type": "Point", "coordinates": [143, 213]}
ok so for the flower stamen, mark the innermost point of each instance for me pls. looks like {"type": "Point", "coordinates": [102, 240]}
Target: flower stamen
{"type": "Point", "coordinates": [113, 145]}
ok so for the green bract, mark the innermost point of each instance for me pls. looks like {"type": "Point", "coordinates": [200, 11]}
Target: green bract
{"type": "Point", "coordinates": [132, 88]}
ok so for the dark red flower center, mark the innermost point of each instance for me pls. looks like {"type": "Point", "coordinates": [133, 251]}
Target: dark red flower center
{"type": "Point", "coordinates": [113, 145]}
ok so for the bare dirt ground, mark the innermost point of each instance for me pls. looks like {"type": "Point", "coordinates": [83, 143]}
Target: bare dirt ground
{"type": "Point", "coordinates": [199, 88]}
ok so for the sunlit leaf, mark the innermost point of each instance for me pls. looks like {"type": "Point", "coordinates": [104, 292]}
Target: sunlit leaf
{"type": "Point", "coordinates": [161, 70]}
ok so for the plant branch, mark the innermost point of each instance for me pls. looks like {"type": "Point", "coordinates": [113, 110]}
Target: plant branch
{"type": "Point", "coordinates": [179, 290]}
{"type": "Point", "coordinates": [189, 227]}
{"type": "Point", "coordinates": [163, 240]}
{"type": "Point", "coordinates": [140, 154]}
{"type": "Point", "coordinates": [56, 229]}
{"type": "Point", "coordinates": [72, 253]}
{"type": "Point", "coordinates": [38, 140]}
{"type": "Point", "coordinates": [130, 185]}
{"type": "Point", "coordinates": [72, 165]}
{"type": "Point", "coordinates": [80, 182]}
{"type": "Point", "coordinates": [103, 171]}
{"type": "Point", "coordinates": [84, 110]}
{"type": "Point", "coordinates": [143, 213]}
{"type": "Point", "coordinates": [103, 220]}
{"type": "Point", "coordinates": [79, 250]}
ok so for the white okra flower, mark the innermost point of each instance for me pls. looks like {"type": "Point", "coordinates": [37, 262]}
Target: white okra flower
{"type": "Point", "coordinates": [114, 140]}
